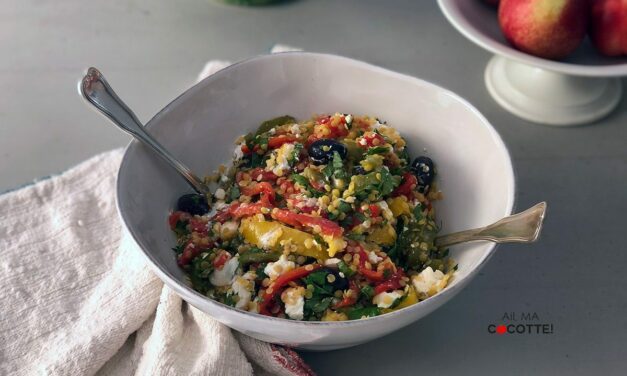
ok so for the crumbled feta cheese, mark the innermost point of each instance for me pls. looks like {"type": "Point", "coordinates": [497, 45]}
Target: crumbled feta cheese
{"type": "Point", "coordinates": [377, 124]}
{"type": "Point", "coordinates": [386, 211]}
{"type": "Point", "coordinates": [348, 118]}
{"type": "Point", "coordinates": [373, 258]}
{"type": "Point", "coordinates": [284, 155]}
{"type": "Point", "coordinates": [224, 276]}
{"type": "Point", "coordinates": [294, 301]}
{"type": "Point", "coordinates": [429, 282]}
{"type": "Point", "coordinates": [250, 275]}
{"type": "Point", "coordinates": [269, 239]}
{"type": "Point", "coordinates": [228, 230]}
{"type": "Point", "coordinates": [243, 288]}
{"type": "Point", "coordinates": [386, 299]}
{"type": "Point", "coordinates": [275, 269]}
{"type": "Point", "coordinates": [302, 201]}
{"type": "Point", "coordinates": [238, 153]}
{"type": "Point", "coordinates": [279, 160]}
{"type": "Point", "coordinates": [220, 194]}
{"type": "Point", "coordinates": [220, 205]}
{"type": "Point", "coordinates": [295, 130]}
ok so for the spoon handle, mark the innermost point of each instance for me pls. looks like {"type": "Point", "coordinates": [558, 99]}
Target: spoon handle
{"type": "Point", "coordinates": [518, 228]}
{"type": "Point", "coordinates": [96, 90]}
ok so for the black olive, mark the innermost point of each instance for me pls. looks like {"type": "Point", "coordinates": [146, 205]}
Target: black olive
{"type": "Point", "coordinates": [337, 281]}
{"type": "Point", "coordinates": [321, 151]}
{"type": "Point", "coordinates": [193, 204]}
{"type": "Point", "coordinates": [424, 170]}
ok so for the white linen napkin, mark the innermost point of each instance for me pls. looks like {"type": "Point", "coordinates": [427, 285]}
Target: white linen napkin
{"type": "Point", "coordinates": [78, 297]}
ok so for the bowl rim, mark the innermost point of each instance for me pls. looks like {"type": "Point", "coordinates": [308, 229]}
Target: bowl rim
{"type": "Point", "coordinates": [189, 294]}
{"type": "Point", "coordinates": [467, 29]}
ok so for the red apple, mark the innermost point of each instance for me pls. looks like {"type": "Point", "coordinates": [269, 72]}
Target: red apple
{"type": "Point", "coordinates": [550, 29]}
{"type": "Point", "coordinates": [609, 27]}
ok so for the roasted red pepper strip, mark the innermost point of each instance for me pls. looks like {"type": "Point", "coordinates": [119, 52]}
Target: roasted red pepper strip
{"type": "Point", "coordinates": [374, 210]}
{"type": "Point", "coordinates": [245, 149]}
{"type": "Point", "coordinates": [408, 184]}
{"type": "Point", "coordinates": [278, 141]}
{"type": "Point", "coordinates": [325, 129]}
{"type": "Point", "coordinates": [238, 210]}
{"type": "Point", "coordinates": [372, 275]}
{"type": "Point", "coordinates": [177, 216]}
{"type": "Point", "coordinates": [375, 276]}
{"type": "Point", "coordinates": [259, 174]}
{"type": "Point", "coordinates": [350, 298]}
{"type": "Point", "coordinates": [198, 225]}
{"type": "Point", "coordinates": [221, 259]}
{"type": "Point", "coordinates": [189, 252]}
{"type": "Point", "coordinates": [393, 283]}
{"type": "Point", "coordinates": [368, 140]}
{"type": "Point", "coordinates": [327, 227]}
{"type": "Point", "coordinates": [264, 189]}
{"type": "Point", "coordinates": [279, 284]}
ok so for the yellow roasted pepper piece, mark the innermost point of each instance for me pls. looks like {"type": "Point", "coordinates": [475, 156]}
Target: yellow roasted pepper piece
{"type": "Point", "coordinates": [410, 299]}
{"type": "Point", "coordinates": [330, 315]}
{"type": "Point", "coordinates": [273, 235]}
{"type": "Point", "coordinates": [335, 244]}
{"type": "Point", "coordinates": [398, 206]}
{"type": "Point", "coordinates": [385, 235]}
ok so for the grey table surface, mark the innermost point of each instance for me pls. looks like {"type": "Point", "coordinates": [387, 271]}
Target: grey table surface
{"type": "Point", "coordinates": [152, 50]}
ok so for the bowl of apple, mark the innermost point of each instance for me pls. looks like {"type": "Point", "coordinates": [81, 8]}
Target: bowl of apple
{"type": "Point", "coordinates": [557, 62]}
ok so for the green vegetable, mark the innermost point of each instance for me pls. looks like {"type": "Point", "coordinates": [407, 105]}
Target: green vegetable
{"type": "Point", "coordinates": [355, 237]}
{"type": "Point", "coordinates": [418, 212]}
{"type": "Point", "coordinates": [256, 160]}
{"type": "Point", "coordinates": [364, 184]}
{"type": "Point", "coordinates": [348, 272]}
{"type": "Point", "coordinates": [257, 255]}
{"type": "Point", "coordinates": [357, 313]}
{"type": "Point", "coordinates": [388, 182]}
{"type": "Point", "coordinates": [200, 269]}
{"type": "Point", "coordinates": [261, 274]}
{"type": "Point", "coordinates": [403, 155]}
{"type": "Point", "coordinates": [367, 291]}
{"type": "Point", "coordinates": [234, 193]}
{"type": "Point", "coordinates": [344, 207]}
{"type": "Point", "coordinates": [276, 122]}
{"type": "Point", "coordinates": [416, 242]}
{"type": "Point", "coordinates": [354, 152]}
{"type": "Point", "coordinates": [378, 150]}
{"type": "Point", "coordinates": [304, 182]}
{"type": "Point", "coordinates": [180, 229]}
{"type": "Point", "coordinates": [321, 297]}
{"type": "Point", "coordinates": [295, 153]}
{"type": "Point", "coordinates": [335, 169]}
{"type": "Point", "coordinates": [317, 305]}
{"type": "Point", "coordinates": [229, 299]}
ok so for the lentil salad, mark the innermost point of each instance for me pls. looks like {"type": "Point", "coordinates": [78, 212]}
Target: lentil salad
{"type": "Point", "coordinates": [325, 219]}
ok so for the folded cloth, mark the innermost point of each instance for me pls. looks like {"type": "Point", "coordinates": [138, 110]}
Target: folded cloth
{"type": "Point", "coordinates": [78, 297]}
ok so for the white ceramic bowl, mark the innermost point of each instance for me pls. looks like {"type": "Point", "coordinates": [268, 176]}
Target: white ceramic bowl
{"type": "Point", "coordinates": [578, 89]}
{"type": "Point", "coordinates": [200, 126]}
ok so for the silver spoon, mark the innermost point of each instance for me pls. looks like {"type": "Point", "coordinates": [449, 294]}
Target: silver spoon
{"type": "Point", "coordinates": [96, 90]}
{"type": "Point", "coordinates": [522, 227]}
